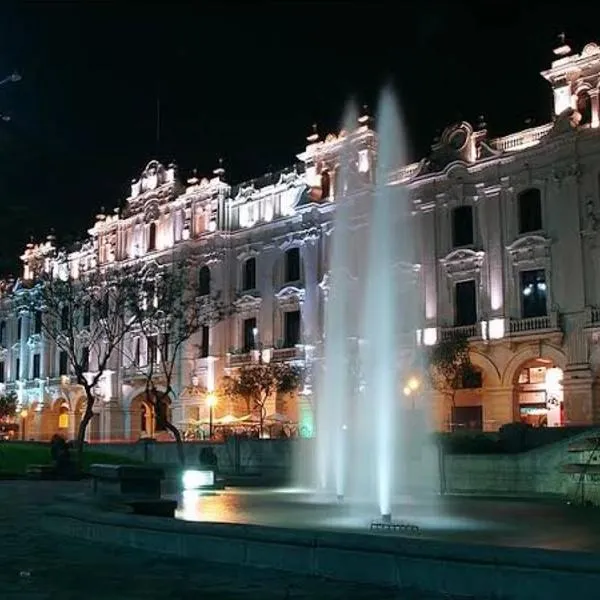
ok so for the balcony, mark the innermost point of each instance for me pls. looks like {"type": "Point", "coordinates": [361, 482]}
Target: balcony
{"type": "Point", "coordinates": [239, 360]}
{"type": "Point", "coordinates": [285, 354]}
{"type": "Point", "coordinates": [467, 331]}
{"type": "Point", "coordinates": [235, 360]}
{"type": "Point", "coordinates": [533, 325]}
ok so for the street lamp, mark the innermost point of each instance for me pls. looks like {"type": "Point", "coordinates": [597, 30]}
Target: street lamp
{"type": "Point", "coordinates": [411, 388]}
{"type": "Point", "coordinates": [211, 401]}
{"type": "Point", "coordinates": [24, 414]}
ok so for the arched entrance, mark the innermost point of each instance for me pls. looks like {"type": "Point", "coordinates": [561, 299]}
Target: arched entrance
{"type": "Point", "coordinates": [142, 418]}
{"type": "Point", "coordinates": [539, 393]}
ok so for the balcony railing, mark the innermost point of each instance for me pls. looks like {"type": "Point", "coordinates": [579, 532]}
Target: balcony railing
{"type": "Point", "coordinates": [533, 324]}
{"type": "Point", "coordinates": [522, 139]}
{"type": "Point", "coordinates": [468, 331]}
{"type": "Point", "coordinates": [274, 354]}
{"type": "Point", "coordinates": [283, 354]}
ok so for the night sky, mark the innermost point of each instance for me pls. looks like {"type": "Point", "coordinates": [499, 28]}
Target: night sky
{"type": "Point", "coordinates": [245, 82]}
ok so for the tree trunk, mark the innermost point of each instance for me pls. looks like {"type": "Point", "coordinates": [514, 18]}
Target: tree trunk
{"type": "Point", "coordinates": [88, 415]}
{"type": "Point", "coordinates": [162, 421]}
{"type": "Point", "coordinates": [178, 440]}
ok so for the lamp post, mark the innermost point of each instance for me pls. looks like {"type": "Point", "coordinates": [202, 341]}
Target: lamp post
{"type": "Point", "coordinates": [411, 388]}
{"type": "Point", "coordinates": [23, 417]}
{"type": "Point", "coordinates": [211, 400]}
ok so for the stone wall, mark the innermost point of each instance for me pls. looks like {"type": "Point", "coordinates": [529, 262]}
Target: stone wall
{"type": "Point", "coordinates": [531, 473]}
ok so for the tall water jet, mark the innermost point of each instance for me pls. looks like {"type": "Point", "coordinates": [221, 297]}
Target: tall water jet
{"type": "Point", "coordinates": [334, 386]}
{"type": "Point", "coordinates": [381, 310]}
{"type": "Point", "coordinates": [372, 448]}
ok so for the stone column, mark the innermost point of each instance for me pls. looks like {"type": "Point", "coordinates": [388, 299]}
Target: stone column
{"type": "Point", "coordinates": [498, 408]}
{"type": "Point", "coordinates": [310, 304]}
{"type": "Point", "coordinates": [578, 397]}
{"type": "Point", "coordinates": [111, 421]}
{"type": "Point", "coordinates": [23, 347]}
{"type": "Point", "coordinates": [595, 107]}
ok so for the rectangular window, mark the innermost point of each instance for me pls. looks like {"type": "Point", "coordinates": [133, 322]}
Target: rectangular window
{"type": "Point", "coordinates": [18, 368]}
{"type": "Point", "coordinates": [468, 418]}
{"type": "Point", "coordinates": [36, 366]}
{"type": "Point", "coordinates": [19, 327]}
{"type": "Point", "coordinates": [37, 328]}
{"type": "Point", "coordinates": [465, 298]}
{"type": "Point", "coordinates": [249, 274]}
{"type": "Point", "coordinates": [462, 226]}
{"type": "Point", "coordinates": [63, 363]}
{"type": "Point", "coordinates": [534, 294]}
{"type": "Point", "coordinates": [85, 359]}
{"type": "Point", "coordinates": [205, 345]}
{"type": "Point", "coordinates": [291, 328]}
{"type": "Point", "coordinates": [2, 375]}
{"type": "Point", "coordinates": [165, 347]}
{"type": "Point", "coordinates": [87, 314]}
{"type": "Point", "coordinates": [151, 354]}
{"type": "Point", "coordinates": [292, 265]}
{"type": "Point", "coordinates": [249, 334]}
{"type": "Point", "coordinates": [530, 210]}
{"type": "Point", "coordinates": [2, 333]}
{"type": "Point", "coordinates": [64, 318]}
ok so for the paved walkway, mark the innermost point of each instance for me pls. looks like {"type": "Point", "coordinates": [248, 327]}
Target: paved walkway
{"type": "Point", "coordinates": [37, 566]}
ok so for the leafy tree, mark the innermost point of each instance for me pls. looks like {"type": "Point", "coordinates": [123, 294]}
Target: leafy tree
{"type": "Point", "coordinates": [450, 366]}
{"type": "Point", "coordinates": [255, 384]}
{"type": "Point", "coordinates": [8, 405]}
{"type": "Point", "coordinates": [168, 310]}
{"type": "Point", "coordinates": [87, 318]}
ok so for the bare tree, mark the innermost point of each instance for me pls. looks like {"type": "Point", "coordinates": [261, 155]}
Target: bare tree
{"type": "Point", "coordinates": [168, 311]}
{"type": "Point", "coordinates": [86, 317]}
{"type": "Point", "coordinates": [255, 384]}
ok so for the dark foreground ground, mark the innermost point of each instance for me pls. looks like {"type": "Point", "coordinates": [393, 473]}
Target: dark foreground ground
{"type": "Point", "coordinates": [36, 566]}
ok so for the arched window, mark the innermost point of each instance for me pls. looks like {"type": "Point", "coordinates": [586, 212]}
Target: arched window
{"type": "Point", "coordinates": [530, 210]}
{"type": "Point", "coordinates": [249, 274]}
{"type": "Point", "coordinates": [584, 107]}
{"type": "Point", "coordinates": [152, 237]}
{"type": "Point", "coordinates": [462, 226]}
{"type": "Point", "coordinates": [204, 281]}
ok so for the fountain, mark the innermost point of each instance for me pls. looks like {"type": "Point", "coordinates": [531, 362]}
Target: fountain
{"type": "Point", "coordinates": [371, 449]}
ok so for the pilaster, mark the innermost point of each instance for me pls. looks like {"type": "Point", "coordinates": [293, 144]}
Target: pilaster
{"type": "Point", "coordinates": [578, 396]}
{"type": "Point", "coordinates": [498, 408]}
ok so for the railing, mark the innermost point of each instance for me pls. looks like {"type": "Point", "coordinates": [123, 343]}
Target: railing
{"type": "Point", "coordinates": [594, 316]}
{"type": "Point", "coordinates": [521, 140]}
{"type": "Point", "coordinates": [532, 324]}
{"type": "Point", "coordinates": [283, 354]}
{"type": "Point", "coordinates": [237, 360]}
{"type": "Point", "coordinates": [467, 331]}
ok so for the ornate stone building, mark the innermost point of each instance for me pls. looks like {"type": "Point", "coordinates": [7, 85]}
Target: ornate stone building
{"type": "Point", "coordinates": [509, 244]}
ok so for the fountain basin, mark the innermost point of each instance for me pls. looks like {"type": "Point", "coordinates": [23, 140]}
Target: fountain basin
{"type": "Point", "coordinates": [453, 565]}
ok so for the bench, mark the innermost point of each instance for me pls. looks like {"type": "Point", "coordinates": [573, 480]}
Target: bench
{"type": "Point", "coordinates": [40, 472]}
{"type": "Point", "coordinates": [127, 480]}
{"type": "Point", "coordinates": [137, 487]}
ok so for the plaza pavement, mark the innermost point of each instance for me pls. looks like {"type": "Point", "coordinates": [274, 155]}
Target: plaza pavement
{"type": "Point", "coordinates": [37, 566]}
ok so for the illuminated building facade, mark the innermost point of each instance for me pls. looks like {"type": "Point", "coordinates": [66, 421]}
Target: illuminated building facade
{"type": "Point", "coordinates": [509, 246]}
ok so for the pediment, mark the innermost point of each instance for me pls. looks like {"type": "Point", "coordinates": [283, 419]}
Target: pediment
{"type": "Point", "coordinates": [529, 241]}
{"type": "Point", "coordinates": [290, 292]}
{"type": "Point", "coordinates": [529, 248]}
{"type": "Point", "coordinates": [463, 254]}
{"type": "Point", "coordinates": [247, 302]}
{"type": "Point", "coordinates": [463, 260]}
